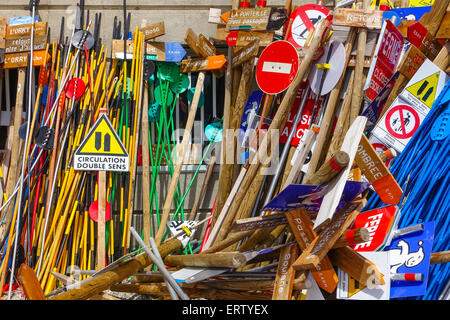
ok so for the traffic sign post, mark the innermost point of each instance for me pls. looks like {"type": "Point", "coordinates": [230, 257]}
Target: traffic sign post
{"type": "Point", "coordinates": [277, 67]}
{"type": "Point", "coordinates": [101, 151]}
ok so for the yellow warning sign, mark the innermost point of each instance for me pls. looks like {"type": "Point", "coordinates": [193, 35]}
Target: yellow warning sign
{"type": "Point", "coordinates": [420, 3]}
{"type": "Point", "coordinates": [354, 286]}
{"type": "Point", "coordinates": [102, 149]}
{"type": "Point", "coordinates": [425, 89]}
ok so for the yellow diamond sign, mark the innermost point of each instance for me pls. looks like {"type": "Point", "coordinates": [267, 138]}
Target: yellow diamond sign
{"type": "Point", "coordinates": [102, 149]}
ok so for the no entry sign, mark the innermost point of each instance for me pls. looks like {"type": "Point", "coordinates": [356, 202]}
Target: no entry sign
{"type": "Point", "coordinates": [277, 67]}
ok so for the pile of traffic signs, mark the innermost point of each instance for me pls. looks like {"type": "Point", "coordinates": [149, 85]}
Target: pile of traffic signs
{"type": "Point", "coordinates": [323, 116]}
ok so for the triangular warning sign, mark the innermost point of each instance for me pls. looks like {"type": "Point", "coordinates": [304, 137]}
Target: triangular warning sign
{"type": "Point", "coordinates": [354, 286]}
{"type": "Point", "coordinates": [102, 139]}
{"type": "Point", "coordinates": [425, 89]}
{"type": "Point", "coordinates": [102, 149]}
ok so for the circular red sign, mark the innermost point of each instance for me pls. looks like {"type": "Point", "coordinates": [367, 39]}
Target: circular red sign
{"type": "Point", "coordinates": [303, 20]}
{"type": "Point", "coordinates": [277, 67]}
{"type": "Point", "coordinates": [398, 121]}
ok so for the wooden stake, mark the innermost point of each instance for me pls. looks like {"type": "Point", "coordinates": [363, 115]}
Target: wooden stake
{"type": "Point", "coordinates": [231, 260]}
{"type": "Point", "coordinates": [357, 93]}
{"type": "Point", "coordinates": [105, 280]}
{"type": "Point", "coordinates": [15, 149]}
{"type": "Point", "coordinates": [277, 123]}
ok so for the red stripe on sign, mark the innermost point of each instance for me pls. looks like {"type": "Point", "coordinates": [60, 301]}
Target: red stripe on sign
{"type": "Point", "coordinates": [244, 4]}
{"type": "Point", "coordinates": [334, 165]}
{"type": "Point", "coordinates": [350, 236]}
{"type": "Point", "coordinates": [410, 277]}
{"type": "Point", "coordinates": [261, 3]}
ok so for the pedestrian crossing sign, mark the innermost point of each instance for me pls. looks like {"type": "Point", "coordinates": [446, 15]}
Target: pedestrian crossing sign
{"type": "Point", "coordinates": [102, 149]}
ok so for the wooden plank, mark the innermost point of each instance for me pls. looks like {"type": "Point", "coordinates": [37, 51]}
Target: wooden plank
{"type": "Point", "coordinates": [320, 246]}
{"type": "Point", "coordinates": [203, 64]}
{"type": "Point", "coordinates": [206, 48]}
{"type": "Point", "coordinates": [105, 280]}
{"type": "Point", "coordinates": [376, 172]}
{"type": "Point", "coordinates": [301, 227]}
{"type": "Point", "coordinates": [284, 280]}
{"type": "Point", "coordinates": [260, 222]}
{"type": "Point", "coordinates": [245, 37]}
{"type": "Point", "coordinates": [191, 39]}
{"type": "Point", "coordinates": [246, 53]}
{"type": "Point", "coordinates": [30, 284]}
{"type": "Point", "coordinates": [370, 19]}
{"type": "Point", "coordinates": [24, 44]}
{"type": "Point", "coordinates": [154, 30]}
{"type": "Point", "coordinates": [410, 63]}
{"type": "Point", "coordinates": [358, 267]}
{"type": "Point", "coordinates": [231, 260]}
{"type": "Point", "coordinates": [2, 32]}
{"type": "Point", "coordinates": [253, 18]}
{"type": "Point", "coordinates": [20, 59]}
{"type": "Point", "coordinates": [24, 30]}
{"type": "Point", "coordinates": [336, 186]}
{"type": "Point", "coordinates": [444, 29]}
{"type": "Point", "coordinates": [13, 171]}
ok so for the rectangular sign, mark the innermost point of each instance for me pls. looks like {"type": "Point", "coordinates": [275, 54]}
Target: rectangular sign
{"type": "Point", "coordinates": [20, 60]}
{"type": "Point", "coordinates": [202, 64]}
{"type": "Point", "coordinates": [158, 51]}
{"type": "Point", "coordinates": [153, 30]}
{"type": "Point", "coordinates": [24, 30]}
{"type": "Point", "coordinates": [251, 18]}
{"type": "Point", "coordinates": [370, 19]}
{"type": "Point", "coordinates": [246, 53]}
{"type": "Point", "coordinates": [385, 60]}
{"type": "Point", "coordinates": [24, 44]}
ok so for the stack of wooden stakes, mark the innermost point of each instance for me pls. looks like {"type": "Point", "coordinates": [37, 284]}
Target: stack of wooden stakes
{"type": "Point", "coordinates": [67, 219]}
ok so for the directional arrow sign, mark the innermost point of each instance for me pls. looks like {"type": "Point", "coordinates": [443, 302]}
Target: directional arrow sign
{"type": "Point", "coordinates": [202, 64]}
{"type": "Point", "coordinates": [158, 51]}
{"type": "Point", "coordinates": [277, 67]}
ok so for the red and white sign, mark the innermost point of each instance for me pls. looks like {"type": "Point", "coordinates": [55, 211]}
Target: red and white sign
{"type": "Point", "coordinates": [303, 20]}
{"type": "Point", "coordinates": [304, 120]}
{"type": "Point", "coordinates": [385, 60]}
{"type": "Point", "coordinates": [402, 121]}
{"type": "Point", "coordinates": [379, 223]}
{"type": "Point", "coordinates": [277, 67]}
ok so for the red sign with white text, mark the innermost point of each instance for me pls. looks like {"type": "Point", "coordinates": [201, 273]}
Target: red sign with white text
{"type": "Point", "coordinates": [379, 223]}
{"type": "Point", "coordinates": [385, 60]}
{"type": "Point", "coordinates": [304, 120]}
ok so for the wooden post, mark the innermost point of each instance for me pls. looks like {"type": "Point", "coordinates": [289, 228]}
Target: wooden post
{"type": "Point", "coordinates": [105, 280]}
{"type": "Point", "coordinates": [146, 210]}
{"type": "Point", "coordinates": [231, 260]}
{"type": "Point", "coordinates": [15, 149]}
{"type": "Point", "coordinates": [203, 190]}
{"type": "Point", "coordinates": [277, 123]}
{"type": "Point", "coordinates": [333, 102]}
{"type": "Point", "coordinates": [357, 94]}
{"type": "Point", "coordinates": [101, 224]}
